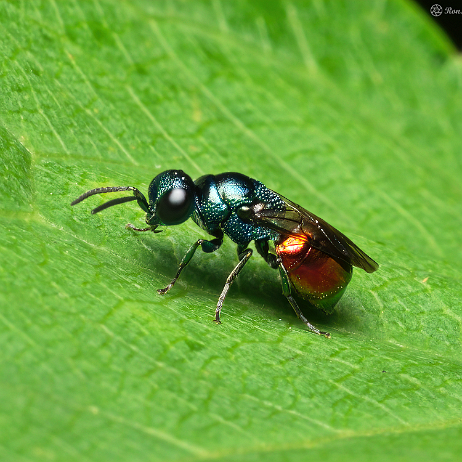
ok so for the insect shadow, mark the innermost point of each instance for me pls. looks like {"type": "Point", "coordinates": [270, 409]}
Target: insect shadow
{"type": "Point", "coordinates": [257, 284]}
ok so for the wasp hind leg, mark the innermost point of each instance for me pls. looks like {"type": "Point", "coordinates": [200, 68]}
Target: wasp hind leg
{"type": "Point", "coordinates": [286, 290]}
{"type": "Point", "coordinates": [273, 261]}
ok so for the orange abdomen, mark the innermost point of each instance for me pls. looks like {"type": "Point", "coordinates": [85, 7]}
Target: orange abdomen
{"type": "Point", "coordinates": [314, 275]}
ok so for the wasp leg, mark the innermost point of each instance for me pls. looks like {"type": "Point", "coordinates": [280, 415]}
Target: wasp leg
{"type": "Point", "coordinates": [286, 290]}
{"type": "Point", "coordinates": [134, 228]}
{"type": "Point", "coordinates": [273, 261]}
{"type": "Point", "coordinates": [207, 247]}
{"type": "Point", "coordinates": [262, 247]}
{"type": "Point", "coordinates": [244, 256]}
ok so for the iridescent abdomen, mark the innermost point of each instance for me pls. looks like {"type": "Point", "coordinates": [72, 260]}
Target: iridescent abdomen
{"type": "Point", "coordinates": [315, 276]}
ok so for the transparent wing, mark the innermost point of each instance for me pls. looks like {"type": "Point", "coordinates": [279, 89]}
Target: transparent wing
{"type": "Point", "coordinates": [295, 220]}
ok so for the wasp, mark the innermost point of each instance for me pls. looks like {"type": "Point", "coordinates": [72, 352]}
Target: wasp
{"type": "Point", "coordinates": [314, 259]}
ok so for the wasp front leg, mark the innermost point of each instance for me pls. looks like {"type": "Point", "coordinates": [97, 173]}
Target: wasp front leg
{"type": "Point", "coordinates": [207, 247]}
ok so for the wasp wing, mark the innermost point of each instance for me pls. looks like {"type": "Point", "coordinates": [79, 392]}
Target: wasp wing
{"type": "Point", "coordinates": [295, 220]}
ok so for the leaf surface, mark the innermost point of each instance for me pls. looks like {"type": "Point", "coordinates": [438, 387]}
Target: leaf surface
{"type": "Point", "coordinates": [353, 112]}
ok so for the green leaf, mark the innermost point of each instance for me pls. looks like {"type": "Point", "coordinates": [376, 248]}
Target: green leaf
{"type": "Point", "coordinates": [352, 110]}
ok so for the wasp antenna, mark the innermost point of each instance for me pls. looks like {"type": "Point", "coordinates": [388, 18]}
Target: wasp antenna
{"type": "Point", "coordinates": [119, 200]}
{"type": "Point", "coordinates": [137, 195]}
{"type": "Point", "coordinates": [92, 192]}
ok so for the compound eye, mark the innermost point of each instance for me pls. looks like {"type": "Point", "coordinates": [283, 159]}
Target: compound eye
{"type": "Point", "coordinates": [175, 206]}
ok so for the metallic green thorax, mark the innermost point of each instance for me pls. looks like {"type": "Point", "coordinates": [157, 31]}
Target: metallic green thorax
{"type": "Point", "coordinates": [218, 199]}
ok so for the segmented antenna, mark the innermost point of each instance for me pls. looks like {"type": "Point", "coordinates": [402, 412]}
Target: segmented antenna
{"type": "Point", "coordinates": [137, 195]}
{"type": "Point", "coordinates": [92, 192]}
